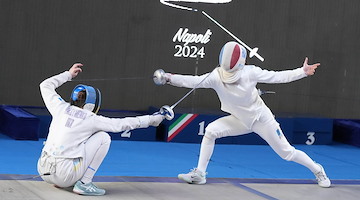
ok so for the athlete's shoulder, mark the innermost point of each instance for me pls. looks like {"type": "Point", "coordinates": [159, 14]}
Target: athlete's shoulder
{"type": "Point", "coordinates": [249, 67]}
{"type": "Point", "coordinates": [252, 68]}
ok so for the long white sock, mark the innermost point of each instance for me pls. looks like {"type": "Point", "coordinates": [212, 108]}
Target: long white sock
{"type": "Point", "coordinates": [96, 149]}
{"type": "Point", "coordinates": [303, 159]}
{"type": "Point", "coordinates": [206, 151]}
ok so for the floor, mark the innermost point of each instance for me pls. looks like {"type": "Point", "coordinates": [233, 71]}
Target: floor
{"type": "Point", "coordinates": [148, 170]}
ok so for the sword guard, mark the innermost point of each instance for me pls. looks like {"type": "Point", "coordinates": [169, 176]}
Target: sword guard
{"type": "Point", "coordinates": [159, 77]}
{"type": "Point", "coordinates": [167, 111]}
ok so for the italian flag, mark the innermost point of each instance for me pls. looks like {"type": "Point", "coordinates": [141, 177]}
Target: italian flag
{"type": "Point", "coordinates": [179, 125]}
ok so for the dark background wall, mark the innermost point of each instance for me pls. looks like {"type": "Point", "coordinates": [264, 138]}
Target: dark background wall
{"type": "Point", "coordinates": [121, 44]}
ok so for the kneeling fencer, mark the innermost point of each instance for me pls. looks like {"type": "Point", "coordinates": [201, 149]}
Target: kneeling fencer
{"type": "Point", "coordinates": [77, 141]}
{"type": "Point", "coordinates": [235, 84]}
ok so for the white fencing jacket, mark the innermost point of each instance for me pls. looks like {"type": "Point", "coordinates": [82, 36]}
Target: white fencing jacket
{"type": "Point", "coordinates": [240, 98]}
{"type": "Point", "coordinates": [71, 126]}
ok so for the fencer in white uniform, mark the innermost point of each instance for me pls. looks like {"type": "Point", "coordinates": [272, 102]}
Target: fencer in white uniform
{"type": "Point", "coordinates": [77, 141]}
{"type": "Point", "coordinates": [235, 84]}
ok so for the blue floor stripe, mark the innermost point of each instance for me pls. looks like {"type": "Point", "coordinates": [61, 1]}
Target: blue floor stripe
{"type": "Point", "coordinates": [253, 191]}
{"type": "Point", "coordinates": [176, 180]}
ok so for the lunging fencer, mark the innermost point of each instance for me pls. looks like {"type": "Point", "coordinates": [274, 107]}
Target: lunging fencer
{"type": "Point", "coordinates": [235, 84]}
{"type": "Point", "coordinates": [77, 141]}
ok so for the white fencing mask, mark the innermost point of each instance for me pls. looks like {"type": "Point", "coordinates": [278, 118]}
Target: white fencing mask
{"type": "Point", "coordinates": [231, 59]}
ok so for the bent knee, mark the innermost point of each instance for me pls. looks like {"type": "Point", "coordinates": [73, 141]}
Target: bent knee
{"type": "Point", "coordinates": [105, 137]}
{"type": "Point", "coordinates": [211, 135]}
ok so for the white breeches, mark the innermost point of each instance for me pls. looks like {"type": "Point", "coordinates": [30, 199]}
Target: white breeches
{"type": "Point", "coordinates": [64, 172]}
{"type": "Point", "coordinates": [266, 127]}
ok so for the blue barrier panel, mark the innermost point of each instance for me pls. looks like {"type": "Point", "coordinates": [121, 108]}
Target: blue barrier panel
{"type": "Point", "coordinates": [186, 127]}
{"type": "Point", "coordinates": [347, 131]}
{"type": "Point", "coordinates": [18, 124]}
{"type": "Point", "coordinates": [43, 115]}
{"type": "Point", "coordinates": [312, 131]}
{"type": "Point", "coordinates": [190, 128]}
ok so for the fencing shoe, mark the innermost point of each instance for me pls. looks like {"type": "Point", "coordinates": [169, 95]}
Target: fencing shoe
{"type": "Point", "coordinates": [322, 179]}
{"type": "Point", "coordinates": [194, 177]}
{"type": "Point", "coordinates": [88, 189]}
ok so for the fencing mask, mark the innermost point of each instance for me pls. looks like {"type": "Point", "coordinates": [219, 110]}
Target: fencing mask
{"type": "Point", "coordinates": [231, 59]}
{"type": "Point", "coordinates": [86, 97]}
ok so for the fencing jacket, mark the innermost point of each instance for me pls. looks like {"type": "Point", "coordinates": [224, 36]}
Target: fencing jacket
{"type": "Point", "coordinates": [240, 98]}
{"type": "Point", "coordinates": [71, 126]}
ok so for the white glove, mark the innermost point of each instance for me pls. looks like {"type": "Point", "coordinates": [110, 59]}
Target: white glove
{"type": "Point", "coordinates": [160, 77]}
{"type": "Point", "coordinates": [156, 119]}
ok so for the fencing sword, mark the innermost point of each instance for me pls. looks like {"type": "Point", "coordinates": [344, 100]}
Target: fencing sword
{"type": "Point", "coordinates": [159, 78]}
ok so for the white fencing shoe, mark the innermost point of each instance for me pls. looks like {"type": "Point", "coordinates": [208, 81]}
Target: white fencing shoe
{"type": "Point", "coordinates": [87, 189]}
{"type": "Point", "coordinates": [194, 177]}
{"type": "Point", "coordinates": [321, 178]}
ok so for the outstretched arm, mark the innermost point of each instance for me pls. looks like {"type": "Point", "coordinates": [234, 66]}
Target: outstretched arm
{"type": "Point", "coordinates": [285, 76]}
{"type": "Point", "coordinates": [309, 69]}
{"type": "Point", "coordinates": [116, 125]}
{"type": "Point", "coordinates": [188, 81]}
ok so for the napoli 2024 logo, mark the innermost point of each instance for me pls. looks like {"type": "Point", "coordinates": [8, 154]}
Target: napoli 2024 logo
{"type": "Point", "coordinates": [188, 49]}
